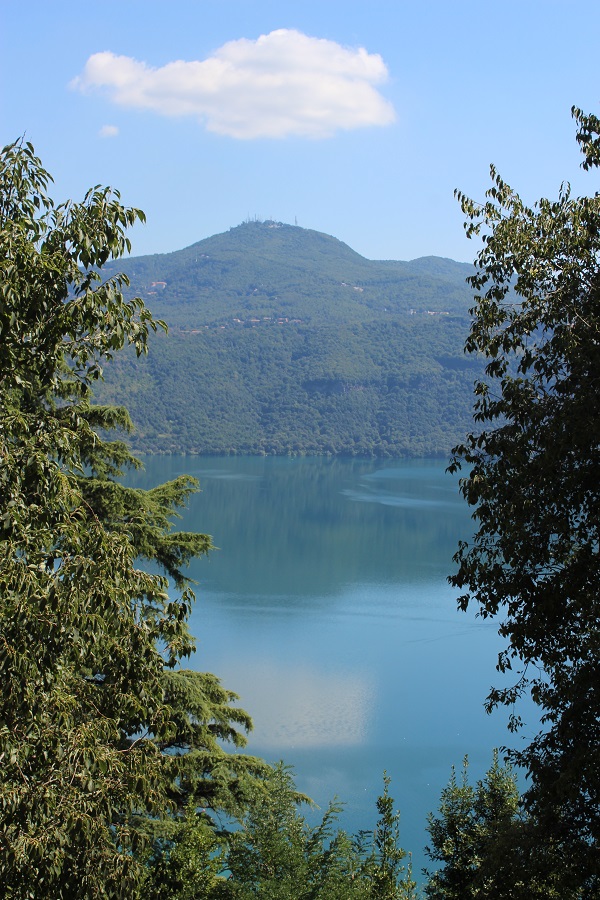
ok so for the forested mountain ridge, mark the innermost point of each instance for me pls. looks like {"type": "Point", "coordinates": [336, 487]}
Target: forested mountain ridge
{"type": "Point", "coordinates": [284, 340]}
{"type": "Point", "coordinates": [268, 268]}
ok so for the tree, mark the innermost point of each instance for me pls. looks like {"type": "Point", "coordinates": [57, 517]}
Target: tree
{"type": "Point", "coordinates": [533, 477]}
{"type": "Point", "coordinates": [389, 878]}
{"type": "Point", "coordinates": [452, 840]}
{"type": "Point", "coordinates": [488, 847]}
{"type": "Point", "coordinates": [188, 862]}
{"type": "Point", "coordinates": [267, 857]}
{"type": "Point", "coordinates": [465, 836]}
{"type": "Point", "coordinates": [100, 732]}
{"type": "Point", "coordinates": [276, 855]}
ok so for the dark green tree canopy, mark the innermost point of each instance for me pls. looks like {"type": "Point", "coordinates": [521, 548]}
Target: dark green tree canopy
{"type": "Point", "coordinates": [485, 846]}
{"type": "Point", "coordinates": [471, 820]}
{"type": "Point", "coordinates": [533, 480]}
{"type": "Point", "coordinates": [99, 728]}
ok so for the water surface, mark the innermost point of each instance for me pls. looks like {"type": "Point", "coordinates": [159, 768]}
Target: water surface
{"type": "Point", "coordinates": [326, 607]}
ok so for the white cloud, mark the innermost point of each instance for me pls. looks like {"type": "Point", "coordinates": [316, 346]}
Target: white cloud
{"type": "Point", "coordinates": [108, 131]}
{"type": "Point", "coordinates": [283, 83]}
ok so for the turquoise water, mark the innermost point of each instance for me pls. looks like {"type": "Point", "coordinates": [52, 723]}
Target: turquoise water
{"type": "Point", "coordinates": [326, 607]}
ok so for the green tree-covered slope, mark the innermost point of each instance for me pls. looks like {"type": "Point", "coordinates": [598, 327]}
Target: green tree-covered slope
{"type": "Point", "coordinates": [284, 340]}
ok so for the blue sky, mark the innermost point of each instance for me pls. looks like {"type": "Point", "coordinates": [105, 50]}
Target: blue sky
{"type": "Point", "coordinates": [354, 118]}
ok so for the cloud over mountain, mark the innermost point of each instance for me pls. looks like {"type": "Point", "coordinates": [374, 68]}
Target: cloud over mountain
{"type": "Point", "coordinates": [284, 83]}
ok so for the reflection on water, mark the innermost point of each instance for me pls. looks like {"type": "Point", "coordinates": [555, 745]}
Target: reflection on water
{"type": "Point", "coordinates": [328, 610]}
{"type": "Point", "coordinates": [391, 499]}
{"type": "Point", "coordinates": [297, 706]}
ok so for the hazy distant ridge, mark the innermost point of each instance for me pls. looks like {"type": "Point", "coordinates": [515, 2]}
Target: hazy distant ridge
{"type": "Point", "coordinates": [285, 340]}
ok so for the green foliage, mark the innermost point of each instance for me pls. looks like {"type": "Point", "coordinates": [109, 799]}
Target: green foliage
{"type": "Point", "coordinates": [486, 847]}
{"type": "Point", "coordinates": [385, 388]}
{"type": "Point", "coordinates": [466, 834]}
{"type": "Point", "coordinates": [90, 718]}
{"type": "Point", "coordinates": [389, 878]}
{"type": "Point", "coordinates": [187, 863]}
{"type": "Point", "coordinates": [533, 476]}
{"type": "Point", "coordinates": [204, 723]}
{"type": "Point", "coordinates": [268, 269]}
{"type": "Point", "coordinates": [277, 856]}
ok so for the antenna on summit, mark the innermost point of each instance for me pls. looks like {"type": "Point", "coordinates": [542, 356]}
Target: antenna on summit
{"type": "Point", "coordinates": [295, 220]}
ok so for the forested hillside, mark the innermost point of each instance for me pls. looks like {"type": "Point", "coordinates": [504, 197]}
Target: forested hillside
{"type": "Point", "coordinates": [284, 340]}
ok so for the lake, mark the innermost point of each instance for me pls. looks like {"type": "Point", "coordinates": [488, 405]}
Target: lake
{"type": "Point", "coordinates": [326, 607]}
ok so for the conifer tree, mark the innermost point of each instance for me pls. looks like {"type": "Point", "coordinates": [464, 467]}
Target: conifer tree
{"type": "Point", "coordinates": [100, 732]}
{"type": "Point", "coordinates": [389, 878]}
{"type": "Point", "coordinates": [277, 855]}
{"type": "Point", "coordinates": [470, 824]}
{"type": "Point", "coordinates": [487, 847]}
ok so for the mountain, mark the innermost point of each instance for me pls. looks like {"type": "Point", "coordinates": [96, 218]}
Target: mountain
{"type": "Point", "coordinates": [285, 340]}
{"type": "Point", "coordinates": [272, 269]}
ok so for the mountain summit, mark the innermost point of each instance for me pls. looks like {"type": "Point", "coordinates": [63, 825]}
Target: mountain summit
{"type": "Point", "coordinates": [284, 340]}
{"type": "Point", "coordinates": [272, 269]}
